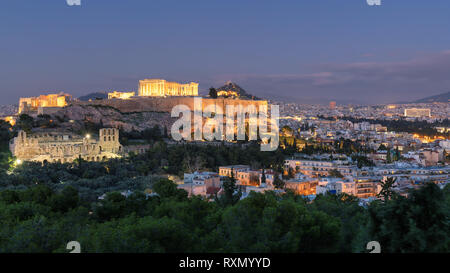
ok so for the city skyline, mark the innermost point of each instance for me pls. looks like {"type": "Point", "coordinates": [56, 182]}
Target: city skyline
{"type": "Point", "coordinates": [302, 52]}
{"type": "Point", "coordinates": [243, 128]}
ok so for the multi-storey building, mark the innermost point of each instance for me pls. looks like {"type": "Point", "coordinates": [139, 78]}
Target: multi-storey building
{"type": "Point", "coordinates": [417, 112]}
{"type": "Point", "coordinates": [302, 185]}
{"type": "Point", "coordinates": [247, 177]}
{"type": "Point", "coordinates": [335, 186]}
{"type": "Point", "coordinates": [201, 183]}
{"type": "Point", "coordinates": [316, 167]}
{"type": "Point", "coordinates": [234, 169]}
{"type": "Point", "coordinates": [367, 187]}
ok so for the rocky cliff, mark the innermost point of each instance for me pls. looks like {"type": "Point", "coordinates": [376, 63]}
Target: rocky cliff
{"type": "Point", "coordinates": [74, 115]}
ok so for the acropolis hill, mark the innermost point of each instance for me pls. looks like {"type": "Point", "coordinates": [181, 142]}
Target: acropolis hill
{"type": "Point", "coordinates": [154, 95]}
{"type": "Point", "coordinates": [161, 96]}
{"type": "Point", "coordinates": [156, 99]}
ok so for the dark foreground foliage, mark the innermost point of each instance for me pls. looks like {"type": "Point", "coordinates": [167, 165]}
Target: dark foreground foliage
{"type": "Point", "coordinates": [40, 219]}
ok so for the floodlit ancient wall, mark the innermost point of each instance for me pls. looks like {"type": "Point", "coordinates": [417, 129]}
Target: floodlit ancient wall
{"type": "Point", "coordinates": [121, 95]}
{"type": "Point", "coordinates": [155, 104]}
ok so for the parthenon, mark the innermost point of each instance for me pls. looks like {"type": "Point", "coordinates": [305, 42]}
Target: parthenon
{"type": "Point", "coordinates": [162, 88]}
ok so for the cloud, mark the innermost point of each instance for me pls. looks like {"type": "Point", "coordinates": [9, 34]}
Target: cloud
{"type": "Point", "coordinates": [369, 82]}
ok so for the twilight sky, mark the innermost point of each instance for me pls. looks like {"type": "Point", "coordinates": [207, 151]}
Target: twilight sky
{"type": "Point", "coordinates": [297, 50]}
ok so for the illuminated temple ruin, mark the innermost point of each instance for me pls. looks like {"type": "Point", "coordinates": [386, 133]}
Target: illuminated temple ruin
{"type": "Point", "coordinates": [162, 88]}
{"type": "Point", "coordinates": [35, 104]}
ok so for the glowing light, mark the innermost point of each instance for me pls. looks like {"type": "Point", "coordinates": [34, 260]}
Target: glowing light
{"type": "Point", "coordinates": [427, 139]}
{"type": "Point", "coordinates": [11, 120]}
{"type": "Point", "coordinates": [18, 162]}
{"type": "Point", "coordinates": [121, 95]}
{"type": "Point", "coordinates": [88, 136]}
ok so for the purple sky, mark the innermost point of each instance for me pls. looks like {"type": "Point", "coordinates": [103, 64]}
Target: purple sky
{"type": "Point", "coordinates": [304, 51]}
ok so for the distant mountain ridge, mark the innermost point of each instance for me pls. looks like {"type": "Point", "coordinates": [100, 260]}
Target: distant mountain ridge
{"type": "Point", "coordinates": [444, 97]}
{"type": "Point", "coordinates": [94, 96]}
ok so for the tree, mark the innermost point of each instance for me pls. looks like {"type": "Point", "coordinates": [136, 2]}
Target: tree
{"type": "Point", "coordinates": [278, 183]}
{"type": "Point", "coordinates": [353, 218]}
{"type": "Point", "coordinates": [254, 179]}
{"type": "Point", "coordinates": [261, 223]}
{"type": "Point", "coordinates": [263, 177]}
{"type": "Point", "coordinates": [25, 122]}
{"type": "Point", "coordinates": [362, 161]}
{"type": "Point", "coordinates": [382, 147]}
{"type": "Point", "coordinates": [291, 173]}
{"type": "Point", "coordinates": [335, 173]}
{"type": "Point", "coordinates": [165, 188]}
{"type": "Point", "coordinates": [359, 164]}
{"type": "Point", "coordinates": [6, 161]}
{"type": "Point", "coordinates": [386, 188]}
{"type": "Point", "coordinates": [388, 156]}
{"type": "Point", "coordinates": [193, 164]}
{"type": "Point", "coordinates": [397, 154]}
{"type": "Point", "coordinates": [415, 224]}
{"type": "Point", "coordinates": [111, 207]}
{"type": "Point", "coordinates": [231, 193]}
{"type": "Point", "coordinates": [66, 200]}
{"type": "Point", "coordinates": [213, 93]}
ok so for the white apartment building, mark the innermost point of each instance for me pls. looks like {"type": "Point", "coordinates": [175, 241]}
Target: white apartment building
{"type": "Point", "coordinates": [318, 168]}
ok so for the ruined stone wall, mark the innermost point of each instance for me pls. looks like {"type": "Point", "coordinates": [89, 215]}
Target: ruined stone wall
{"type": "Point", "coordinates": [145, 104]}
{"type": "Point", "coordinates": [54, 147]}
